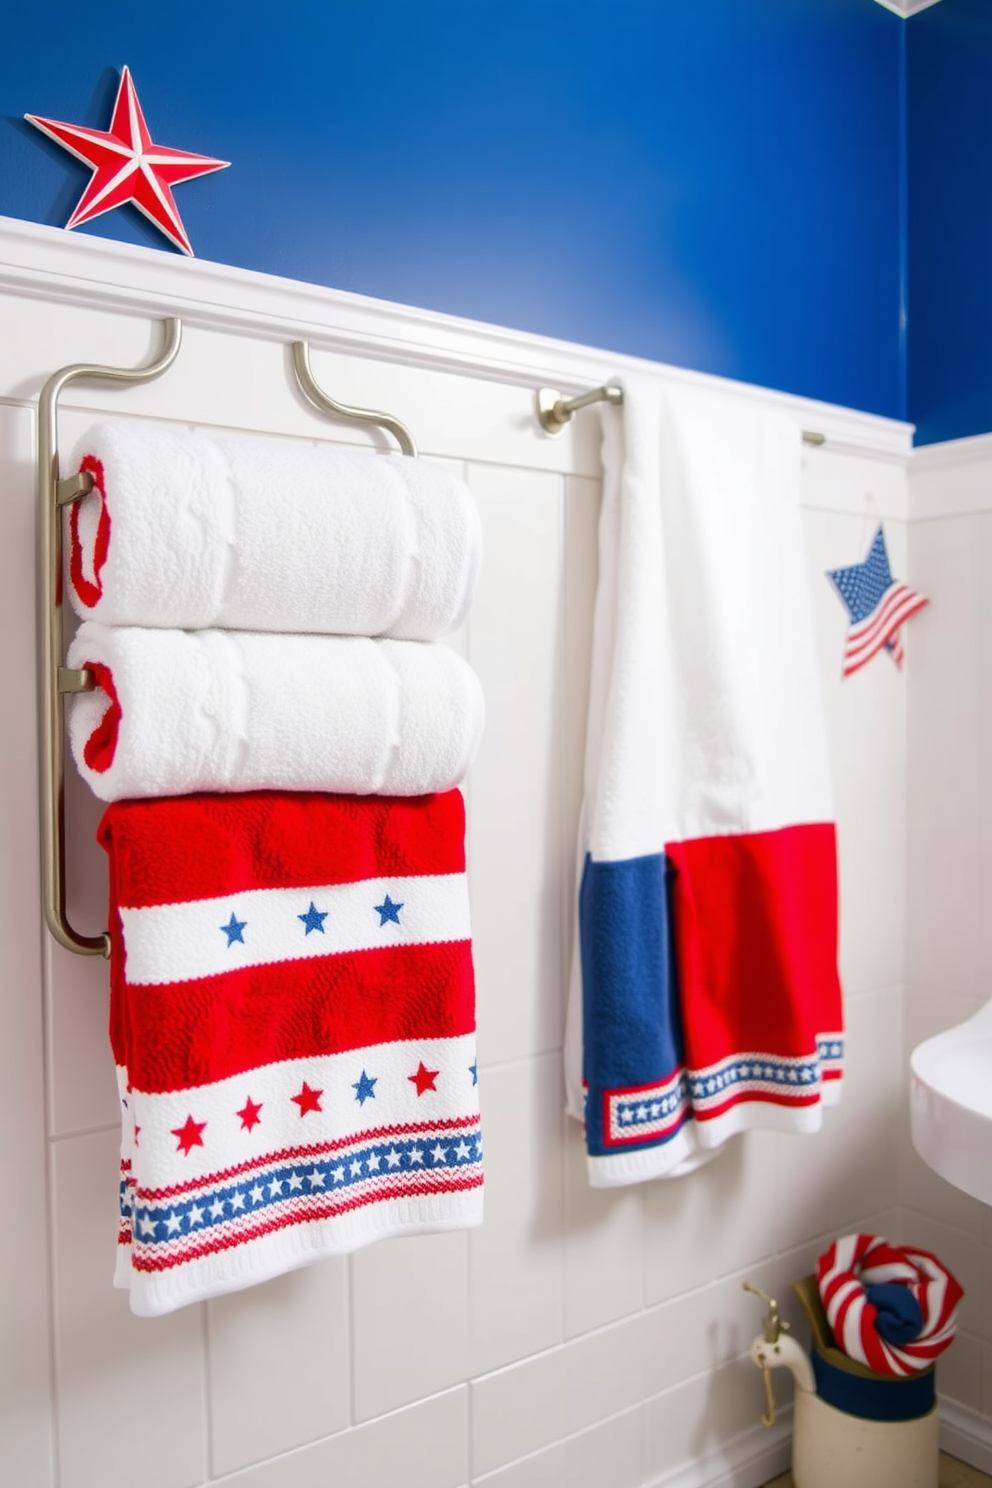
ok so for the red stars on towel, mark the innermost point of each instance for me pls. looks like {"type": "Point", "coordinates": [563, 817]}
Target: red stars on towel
{"type": "Point", "coordinates": [308, 1099]}
{"type": "Point", "coordinates": [190, 1135]}
{"type": "Point", "coordinates": [424, 1078]}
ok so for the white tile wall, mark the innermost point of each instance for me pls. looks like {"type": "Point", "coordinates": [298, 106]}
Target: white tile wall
{"type": "Point", "coordinates": [556, 1394]}
{"type": "Point", "coordinates": [609, 1453]}
{"type": "Point", "coordinates": [726, 1218]}
{"type": "Point", "coordinates": [411, 1320]}
{"type": "Point", "coordinates": [855, 1168]}
{"type": "Point", "coordinates": [580, 1337]}
{"type": "Point", "coordinates": [278, 1366]}
{"type": "Point", "coordinates": [128, 1391]}
{"type": "Point", "coordinates": [423, 1446]}
{"type": "Point", "coordinates": [605, 1245]}
{"type": "Point", "coordinates": [697, 1417]}
{"type": "Point", "coordinates": [702, 1330]}
{"type": "Point", "coordinates": [516, 1256]}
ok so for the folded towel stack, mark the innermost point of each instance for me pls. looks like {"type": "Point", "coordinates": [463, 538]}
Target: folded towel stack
{"type": "Point", "coordinates": [218, 579]}
{"type": "Point", "coordinates": [280, 734]}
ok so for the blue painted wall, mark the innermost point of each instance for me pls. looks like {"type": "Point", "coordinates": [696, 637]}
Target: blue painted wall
{"type": "Point", "coordinates": [949, 73]}
{"type": "Point", "coordinates": [714, 183]}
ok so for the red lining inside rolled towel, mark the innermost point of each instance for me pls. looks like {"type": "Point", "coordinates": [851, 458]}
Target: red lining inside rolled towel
{"type": "Point", "coordinates": [101, 746]}
{"type": "Point", "coordinates": [89, 590]}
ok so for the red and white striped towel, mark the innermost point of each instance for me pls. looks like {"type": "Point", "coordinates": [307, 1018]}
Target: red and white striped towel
{"type": "Point", "coordinates": [856, 1263]}
{"type": "Point", "coordinates": [293, 1021]}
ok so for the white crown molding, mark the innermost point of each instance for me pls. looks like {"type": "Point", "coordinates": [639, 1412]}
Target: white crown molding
{"type": "Point", "coordinates": [906, 8]}
{"type": "Point", "coordinates": [975, 449]}
{"type": "Point", "coordinates": [51, 264]}
{"type": "Point", "coordinates": [952, 479]}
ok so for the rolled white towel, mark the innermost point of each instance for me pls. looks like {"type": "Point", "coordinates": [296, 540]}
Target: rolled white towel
{"type": "Point", "coordinates": [189, 532]}
{"type": "Point", "coordinates": [177, 712]}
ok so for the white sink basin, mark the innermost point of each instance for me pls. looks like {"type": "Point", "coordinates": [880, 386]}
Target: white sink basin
{"type": "Point", "coordinates": [951, 1111]}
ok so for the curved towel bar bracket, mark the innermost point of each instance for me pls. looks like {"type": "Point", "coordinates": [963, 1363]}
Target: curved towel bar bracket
{"type": "Point", "coordinates": [55, 678]}
{"type": "Point", "coordinates": [326, 404]}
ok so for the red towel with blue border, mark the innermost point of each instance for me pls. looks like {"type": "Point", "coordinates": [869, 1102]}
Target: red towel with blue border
{"type": "Point", "coordinates": [705, 997]}
{"type": "Point", "coordinates": [293, 1021]}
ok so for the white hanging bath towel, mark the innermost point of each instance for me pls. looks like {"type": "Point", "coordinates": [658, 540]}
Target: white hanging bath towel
{"type": "Point", "coordinates": [705, 997]}
{"type": "Point", "coordinates": [177, 712]}
{"type": "Point", "coordinates": [187, 531]}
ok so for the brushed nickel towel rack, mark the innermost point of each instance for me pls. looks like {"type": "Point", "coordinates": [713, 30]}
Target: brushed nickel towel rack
{"type": "Point", "coordinates": [326, 404]}
{"type": "Point", "coordinates": [55, 678]}
{"type": "Point", "coordinates": [554, 411]}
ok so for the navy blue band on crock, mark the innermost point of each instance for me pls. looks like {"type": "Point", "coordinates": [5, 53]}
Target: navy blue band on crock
{"type": "Point", "coordinates": [875, 1399]}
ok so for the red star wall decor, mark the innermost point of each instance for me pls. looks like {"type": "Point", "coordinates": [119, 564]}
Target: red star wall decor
{"type": "Point", "coordinates": [128, 167]}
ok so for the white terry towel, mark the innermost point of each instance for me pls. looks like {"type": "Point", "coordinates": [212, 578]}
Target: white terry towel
{"type": "Point", "coordinates": [705, 998]}
{"type": "Point", "coordinates": [190, 532]}
{"type": "Point", "coordinates": [176, 712]}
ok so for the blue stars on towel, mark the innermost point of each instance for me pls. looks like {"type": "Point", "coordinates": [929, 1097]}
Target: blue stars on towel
{"type": "Point", "coordinates": [314, 918]}
{"type": "Point", "coordinates": [288, 1186]}
{"type": "Point", "coordinates": [651, 1111]}
{"type": "Point", "coordinates": [364, 1088]}
{"type": "Point", "coordinates": [387, 910]}
{"type": "Point", "coordinates": [754, 1072]}
{"type": "Point", "coordinates": [233, 929]}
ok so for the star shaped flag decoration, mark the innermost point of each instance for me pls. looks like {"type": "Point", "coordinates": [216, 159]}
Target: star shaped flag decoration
{"type": "Point", "coordinates": [128, 166]}
{"type": "Point", "coordinates": [878, 606]}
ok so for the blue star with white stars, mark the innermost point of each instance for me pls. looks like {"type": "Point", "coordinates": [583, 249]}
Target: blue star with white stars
{"type": "Point", "coordinates": [862, 585]}
{"type": "Point", "coordinates": [364, 1088]}
{"type": "Point", "coordinates": [387, 910]}
{"type": "Point", "coordinates": [233, 929]}
{"type": "Point", "coordinates": [314, 918]}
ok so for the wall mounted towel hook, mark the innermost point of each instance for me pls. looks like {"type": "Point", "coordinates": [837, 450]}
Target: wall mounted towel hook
{"type": "Point", "coordinates": [554, 411]}
{"type": "Point", "coordinates": [55, 679]}
{"type": "Point", "coordinates": [326, 404]}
